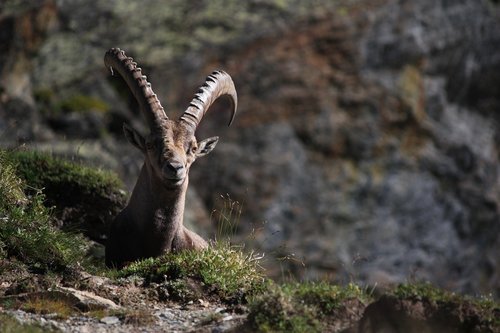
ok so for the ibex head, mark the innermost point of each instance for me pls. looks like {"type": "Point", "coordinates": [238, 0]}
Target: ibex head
{"type": "Point", "coordinates": [171, 147]}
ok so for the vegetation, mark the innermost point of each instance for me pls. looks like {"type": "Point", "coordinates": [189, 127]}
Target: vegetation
{"type": "Point", "coordinates": [85, 199]}
{"type": "Point", "coordinates": [487, 308]}
{"type": "Point", "coordinates": [31, 242]}
{"type": "Point", "coordinates": [44, 305]}
{"type": "Point", "coordinates": [51, 106]}
{"type": "Point", "coordinates": [82, 103]}
{"type": "Point", "coordinates": [222, 269]}
{"type": "Point", "coordinates": [41, 170]}
{"type": "Point", "coordinates": [300, 307]}
{"type": "Point", "coordinates": [26, 229]}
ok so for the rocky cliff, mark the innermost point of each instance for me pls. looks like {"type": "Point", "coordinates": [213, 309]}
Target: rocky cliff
{"type": "Point", "coordinates": [366, 145]}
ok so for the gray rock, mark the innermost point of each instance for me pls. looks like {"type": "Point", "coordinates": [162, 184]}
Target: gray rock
{"type": "Point", "coordinates": [110, 320]}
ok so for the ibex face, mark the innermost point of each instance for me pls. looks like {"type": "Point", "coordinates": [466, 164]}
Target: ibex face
{"type": "Point", "coordinates": [170, 151]}
{"type": "Point", "coordinates": [152, 222]}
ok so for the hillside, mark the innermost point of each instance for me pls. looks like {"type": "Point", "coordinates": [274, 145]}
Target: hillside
{"type": "Point", "coordinates": [54, 279]}
{"type": "Point", "coordinates": [365, 148]}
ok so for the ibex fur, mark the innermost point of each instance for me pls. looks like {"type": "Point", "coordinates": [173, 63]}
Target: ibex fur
{"type": "Point", "coordinates": [152, 222]}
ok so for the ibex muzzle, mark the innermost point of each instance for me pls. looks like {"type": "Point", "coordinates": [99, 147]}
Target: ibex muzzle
{"type": "Point", "coordinates": [152, 221]}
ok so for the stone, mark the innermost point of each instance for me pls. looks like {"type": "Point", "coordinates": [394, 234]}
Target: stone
{"type": "Point", "coordinates": [110, 320]}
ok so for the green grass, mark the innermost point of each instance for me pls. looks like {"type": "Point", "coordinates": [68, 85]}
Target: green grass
{"type": "Point", "coordinates": [26, 229]}
{"type": "Point", "coordinates": [325, 296]}
{"type": "Point", "coordinates": [221, 268]}
{"type": "Point", "coordinates": [83, 199]}
{"type": "Point", "coordinates": [41, 170]}
{"type": "Point", "coordinates": [299, 307]}
{"type": "Point", "coordinates": [423, 290]}
{"type": "Point", "coordinates": [488, 308]}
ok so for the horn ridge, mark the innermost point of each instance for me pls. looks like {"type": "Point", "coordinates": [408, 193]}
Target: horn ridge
{"type": "Point", "coordinates": [148, 101]}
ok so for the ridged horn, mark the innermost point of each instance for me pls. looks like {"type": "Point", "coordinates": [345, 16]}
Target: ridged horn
{"type": "Point", "coordinates": [138, 84]}
{"type": "Point", "coordinates": [217, 84]}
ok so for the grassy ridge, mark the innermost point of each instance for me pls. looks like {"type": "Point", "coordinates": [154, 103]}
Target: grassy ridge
{"type": "Point", "coordinates": [26, 229]}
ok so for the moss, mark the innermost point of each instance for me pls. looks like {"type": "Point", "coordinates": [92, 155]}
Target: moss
{"type": "Point", "coordinates": [486, 308]}
{"type": "Point", "coordinates": [27, 231]}
{"type": "Point", "coordinates": [423, 290]}
{"type": "Point", "coordinates": [43, 95]}
{"type": "Point", "coordinates": [50, 105]}
{"type": "Point", "coordinates": [82, 103]}
{"type": "Point", "coordinates": [84, 198]}
{"type": "Point", "coordinates": [300, 307]}
{"type": "Point", "coordinates": [277, 310]}
{"type": "Point", "coordinates": [325, 296]}
{"type": "Point", "coordinates": [222, 269]}
{"type": "Point", "coordinates": [42, 170]}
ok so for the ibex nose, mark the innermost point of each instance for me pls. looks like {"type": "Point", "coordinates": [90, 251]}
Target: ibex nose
{"type": "Point", "coordinates": [174, 169]}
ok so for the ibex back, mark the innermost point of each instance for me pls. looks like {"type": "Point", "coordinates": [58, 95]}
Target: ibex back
{"type": "Point", "coordinates": [152, 222]}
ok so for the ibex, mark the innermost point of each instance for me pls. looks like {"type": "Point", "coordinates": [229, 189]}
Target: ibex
{"type": "Point", "coordinates": [152, 222]}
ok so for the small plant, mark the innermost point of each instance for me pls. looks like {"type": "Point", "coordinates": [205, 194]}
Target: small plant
{"type": "Point", "coordinates": [228, 218]}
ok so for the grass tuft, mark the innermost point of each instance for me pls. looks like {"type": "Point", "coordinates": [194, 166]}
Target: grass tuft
{"type": "Point", "coordinates": [41, 305]}
{"type": "Point", "coordinates": [222, 268]}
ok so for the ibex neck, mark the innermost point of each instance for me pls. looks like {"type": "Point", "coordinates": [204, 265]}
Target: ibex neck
{"type": "Point", "coordinates": [156, 203]}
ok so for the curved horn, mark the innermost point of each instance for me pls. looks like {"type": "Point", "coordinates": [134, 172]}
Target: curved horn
{"type": "Point", "coordinates": [138, 84]}
{"type": "Point", "coordinates": [217, 84]}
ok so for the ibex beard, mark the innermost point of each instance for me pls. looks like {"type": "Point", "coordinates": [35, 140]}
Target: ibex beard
{"type": "Point", "coordinates": [152, 222]}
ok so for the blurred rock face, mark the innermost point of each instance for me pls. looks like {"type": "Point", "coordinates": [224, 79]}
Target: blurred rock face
{"type": "Point", "coordinates": [366, 143]}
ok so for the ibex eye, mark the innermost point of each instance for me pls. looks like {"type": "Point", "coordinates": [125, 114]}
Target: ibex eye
{"type": "Point", "coordinates": [149, 145]}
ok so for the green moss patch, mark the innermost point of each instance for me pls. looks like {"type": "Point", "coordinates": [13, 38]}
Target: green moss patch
{"type": "Point", "coordinates": [52, 106]}
{"type": "Point", "coordinates": [486, 311]}
{"type": "Point", "coordinates": [27, 231]}
{"type": "Point", "coordinates": [82, 103]}
{"type": "Point", "coordinates": [84, 198]}
{"type": "Point", "coordinates": [306, 307]}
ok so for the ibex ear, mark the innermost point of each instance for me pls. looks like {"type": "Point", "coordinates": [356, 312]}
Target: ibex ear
{"type": "Point", "coordinates": [206, 146]}
{"type": "Point", "coordinates": [134, 137]}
